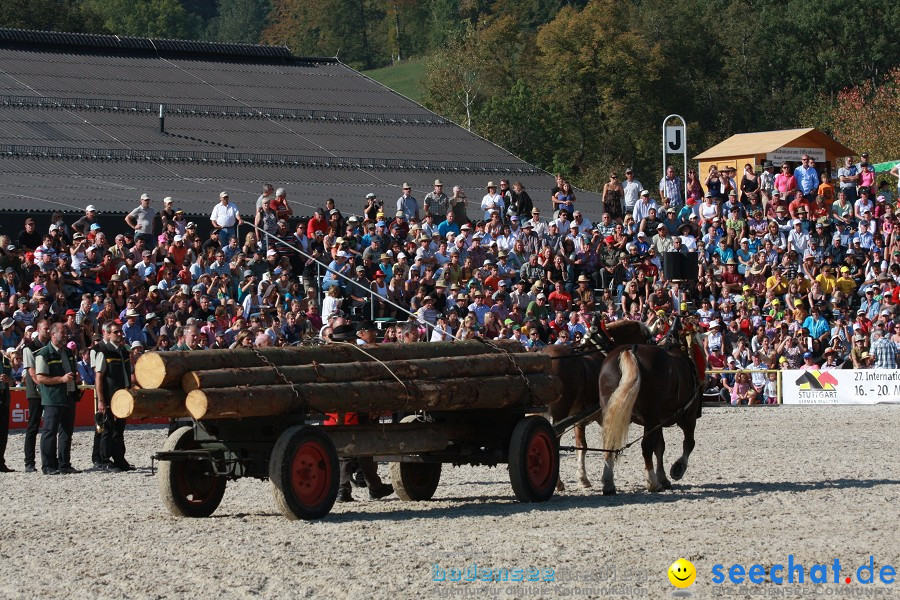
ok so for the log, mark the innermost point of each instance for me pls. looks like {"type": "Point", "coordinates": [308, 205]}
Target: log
{"type": "Point", "coordinates": [380, 396]}
{"type": "Point", "coordinates": [165, 369]}
{"type": "Point", "coordinates": [140, 404]}
{"type": "Point", "coordinates": [422, 368]}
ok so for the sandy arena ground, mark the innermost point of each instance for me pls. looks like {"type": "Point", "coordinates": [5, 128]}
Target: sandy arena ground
{"type": "Point", "coordinates": [816, 482]}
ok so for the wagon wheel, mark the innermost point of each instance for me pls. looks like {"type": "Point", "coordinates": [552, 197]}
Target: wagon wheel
{"type": "Point", "coordinates": [303, 472]}
{"type": "Point", "coordinates": [533, 459]}
{"type": "Point", "coordinates": [415, 481]}
{"type": "Point", "coordinates": [188, 487]}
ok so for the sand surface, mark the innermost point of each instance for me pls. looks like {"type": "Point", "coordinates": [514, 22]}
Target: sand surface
{"type": "Point", "coordinates": [820, 483]}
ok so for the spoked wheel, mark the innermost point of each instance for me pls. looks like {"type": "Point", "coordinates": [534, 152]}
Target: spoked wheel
{"type": "Point", "coordinates": [303, 472]}
{"type": "Point", "coordinates": [533, 459]}
{"type": "Point", "coordinates": [188, 488]}
{"type": "Point", "coordinates": [415, 481]}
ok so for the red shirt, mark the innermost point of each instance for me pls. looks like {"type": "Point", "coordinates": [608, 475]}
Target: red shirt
{"type": "Point", "coordinates": [559, 300]}
{"type": "Point", "coordinates": [316, 225]}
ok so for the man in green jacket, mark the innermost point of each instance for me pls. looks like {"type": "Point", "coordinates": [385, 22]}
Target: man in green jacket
{"type": "Point", "coordinates": [55, 369]}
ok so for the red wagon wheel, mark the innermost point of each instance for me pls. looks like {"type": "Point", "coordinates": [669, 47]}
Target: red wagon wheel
{"type": "Point", "coordinates": [188, 488]}
{"type": "Point", "coordinates": [303, 471]}
{"type": "Point", "coordinates": [533, 460]}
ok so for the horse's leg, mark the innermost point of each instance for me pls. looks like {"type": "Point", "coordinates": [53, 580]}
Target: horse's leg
{"type": "Point", "coordinates": [680, 465]}
{"type": "Point", "coordinates": [609, 486]}
{"type": "Point", "coordinates": [660, 466]}
{"type": "Point", "coordinates": [581, 442]}
{"type": "Point", "coordinates": [647, 445]}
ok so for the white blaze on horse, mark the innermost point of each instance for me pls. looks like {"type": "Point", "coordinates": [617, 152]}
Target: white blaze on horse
{"type": "Point", "coordinates": [655, 387]}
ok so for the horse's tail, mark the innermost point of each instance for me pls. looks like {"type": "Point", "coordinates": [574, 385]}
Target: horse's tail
{"type": "Point", "coordinates": [617, 414]}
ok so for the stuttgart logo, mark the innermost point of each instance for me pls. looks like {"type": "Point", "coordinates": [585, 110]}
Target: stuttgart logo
{"type": "Point", "coordinates": [817, 385]}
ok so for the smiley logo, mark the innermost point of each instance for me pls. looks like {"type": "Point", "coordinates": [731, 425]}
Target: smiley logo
{"type": "Point", "coordinates": [682, 573]}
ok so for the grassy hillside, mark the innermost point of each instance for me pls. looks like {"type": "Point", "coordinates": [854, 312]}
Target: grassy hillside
{"type": "Point", "coordinates": [405, 78]}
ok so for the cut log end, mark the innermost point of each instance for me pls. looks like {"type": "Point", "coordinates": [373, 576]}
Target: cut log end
{"type": "Point", "coordinates": [122, 404]}
{"type": "Point", "coordinates": [150, 371]}
{"type": "Point", "coordinates": [190, 382]}
{"type": "Point", "coordinates": [197, 403]}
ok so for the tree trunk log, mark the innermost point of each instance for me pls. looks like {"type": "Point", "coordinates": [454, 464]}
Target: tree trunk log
{"type": "Point", "coordinates": [422, 368]}
{"type": "Point", "coordinates": [165, 369]}
{"type": "Point", "coordinates": [381, 396]}
{"type": "Point", "coordinates": [139, 404]}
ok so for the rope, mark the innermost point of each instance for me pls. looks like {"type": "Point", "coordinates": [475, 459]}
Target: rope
{"type": "Point", "coordinates": [509, 356]}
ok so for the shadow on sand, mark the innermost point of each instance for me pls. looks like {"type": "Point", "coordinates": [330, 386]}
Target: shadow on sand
{"type": "Point", "coordinates": [503, 505]}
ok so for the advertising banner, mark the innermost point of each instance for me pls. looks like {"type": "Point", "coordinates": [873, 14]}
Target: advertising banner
{"type": "Point", "coordinates": [840, 386]}
{"type": "Point", "coordinates": [84, 410]}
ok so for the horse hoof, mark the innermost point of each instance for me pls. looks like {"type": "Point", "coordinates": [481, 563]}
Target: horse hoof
{"type": "Point", "coordinates": [609, 491]}
{"type": "Point", "coordinates": [666, 484]}
{"type": "Point", "coordinates": [585, 484]}
{"type": "Point", "coordinates": [654, 489]}
{"type": "Point", "coordinates": [677, 470]}
{"type": "Point", "coordinates": [560, 487]}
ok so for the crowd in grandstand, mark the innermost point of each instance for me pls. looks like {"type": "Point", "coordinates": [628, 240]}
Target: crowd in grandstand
{"type": "Point", "coordinates": [796, 270]}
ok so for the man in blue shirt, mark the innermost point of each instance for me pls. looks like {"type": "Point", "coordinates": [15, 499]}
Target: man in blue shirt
{"type": "Point", "coordinates": [448, 226]}
{"type": "Point", "coordinates": [807, 178]}
{"type": "Point", "coordinates": [817, 326]}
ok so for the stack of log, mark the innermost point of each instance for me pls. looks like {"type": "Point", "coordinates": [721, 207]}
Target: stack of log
{"type": "Point", "coordinates": [215, 384]}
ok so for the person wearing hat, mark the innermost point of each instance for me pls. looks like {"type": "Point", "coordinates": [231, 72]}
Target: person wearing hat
{"type": "Point", "coordinates": [225, 218]}
{"type": "Point", "coordinates": [113, 368]}
{"type": "Point", "coordinates": [492, 201]}
{"type": "Point", "coordinates": [662, 241]}
{"type": "Point", "coordinates": [407, 203]}
{"type": "Point", "coordinates": [141, 220]}
{"type": "Point", "coordinates": [83, 224]}
{"type": "Point", "coordinates": [437, 202]}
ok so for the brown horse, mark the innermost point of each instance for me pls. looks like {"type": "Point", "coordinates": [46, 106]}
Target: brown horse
{"type": "Point", "coordinates": [579, 370]}
{"type": "Point", "coordinates": [654, 387]}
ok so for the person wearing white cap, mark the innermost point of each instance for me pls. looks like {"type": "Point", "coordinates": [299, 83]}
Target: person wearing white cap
{"type": "Point", "coordinates": [225, 217]}
{"type": "Point", "coordinates": [407, 203]}
{"type": "Point", "coordinates": [83, 225]}
{"type": "Point", "coordinates": [492, 201]}
{"type": "Point", "coordinates": [436, 202]}
{"type": "Point", "coordinates": [341, 265]}
{"type": "Point", "coordinates": [141, 220]}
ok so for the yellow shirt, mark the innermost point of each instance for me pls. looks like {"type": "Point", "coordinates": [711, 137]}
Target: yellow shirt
{"type": "Point", "coordinates": [827, 283]}
{"type": "Point", "coordinates": [846, 285]}
{"type": "Point", "coordinates": [779, 287]}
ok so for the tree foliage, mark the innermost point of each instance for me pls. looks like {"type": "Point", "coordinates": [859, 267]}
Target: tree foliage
{"type": "Point", "coordinates": [50, 15]}
{"type": "Point", "coordinates": [867, 118]}
{"type": "Point", "coordinates": [239, 21]}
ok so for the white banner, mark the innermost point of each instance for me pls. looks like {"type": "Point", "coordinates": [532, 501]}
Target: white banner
{"type": "Point", "coordinates": [841, 386]}
{"type": "Point", "coordinates": [795, 154]}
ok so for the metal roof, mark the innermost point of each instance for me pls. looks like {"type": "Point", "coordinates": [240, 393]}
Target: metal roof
{"type": "Point", "coordinates": [79, 124]}
{"type": "Point", "coordinates": [762, 142]}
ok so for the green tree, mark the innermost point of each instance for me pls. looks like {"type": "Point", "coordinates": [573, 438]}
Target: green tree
{"type": "Point", "coordinates": [602, 83]}
{"type": "Point", "coordinates": [456, 78]}
{"type": "Point", "coordinates": [867, 118]}
{"type": "Point", "coordinates": [146, 18]}
{"type": "Point", "coordinates": [50, 15]}
{"type": "Point", "coordinates": [239, 21]}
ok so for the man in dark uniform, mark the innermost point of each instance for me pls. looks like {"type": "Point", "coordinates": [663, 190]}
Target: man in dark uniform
{"type": "Point", "coordinates": [377, 489]}
{"type": "Point", "coordinates": [100, 418]}
{"type": "Point", "coordinates": [55, 368]}
{"type": "Point", "coordinates": [32, 393]}
{"type": "Point", "coordinates": [113, 367]}
{"type": "Point", "coordinates": [5, 381]}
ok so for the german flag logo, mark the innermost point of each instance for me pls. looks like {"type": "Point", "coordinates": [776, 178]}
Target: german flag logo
{"type": "Point", "coordinates": [817, 380]}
